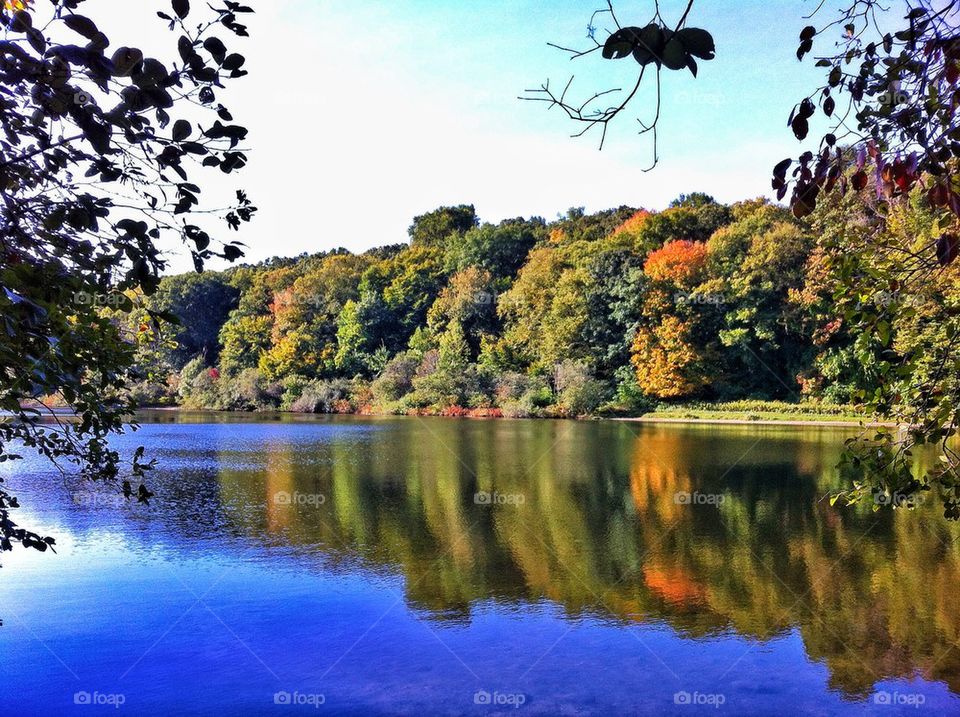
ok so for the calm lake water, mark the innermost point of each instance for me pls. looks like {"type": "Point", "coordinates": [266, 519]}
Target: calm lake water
{"type": "Point", "coordinates": [434, 566]}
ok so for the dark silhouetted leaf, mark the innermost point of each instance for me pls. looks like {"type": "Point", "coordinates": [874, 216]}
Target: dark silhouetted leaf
{"type": "Point", "coordinates": [181, 130]}
{"type": "Point", "coordinates": [126, 60]}
{"type": "Point", "coordinates": [948, 247]}
{"type": "Point", "coordinates": [699, 43]}
{"type": "Point", "coordinates": [674, 54]}
{"type": "Point", "coordinates": [621, 43]}
{"type": "Point", "coordinates": [800, 127]}
{"type": "Point", "coordinates": [83, 25]}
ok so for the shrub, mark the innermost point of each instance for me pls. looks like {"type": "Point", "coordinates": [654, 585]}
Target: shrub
{"type": "Point", "coordinates": [199, 386]}
{"type": "Point", "coordinates": [579, 393]}
{"type": "Point", "coordinates": [247, 391]}
{"type": "Point", "coordinates": [395, 381]}
{"type": "Point", "coordinates": [292, 388]}
{"type": "Point", "coordinates": [152, 393]}
{"type": "Point", "coordinates": [323, 397]}
{"type": "Point", "coordinates": [629, 396]}
{"type": "Point", "coordinates": [510, 386]}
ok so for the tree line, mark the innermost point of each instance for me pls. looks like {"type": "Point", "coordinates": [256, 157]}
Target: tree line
{"type": "Point", "coordinates": [608, 312]}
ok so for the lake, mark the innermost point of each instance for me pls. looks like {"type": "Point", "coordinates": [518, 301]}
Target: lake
{"type": "Point", "coordinates": [310, 565]}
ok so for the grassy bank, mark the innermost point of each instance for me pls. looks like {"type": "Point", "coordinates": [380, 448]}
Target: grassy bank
{"type": "Point", "coordinates": [758, 411]}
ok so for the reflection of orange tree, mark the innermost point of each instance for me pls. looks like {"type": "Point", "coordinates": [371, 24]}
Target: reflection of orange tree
{"type": "Point", "coordinates": [599, 531]}
{"type": "Point", "coordinates": [872, 601]}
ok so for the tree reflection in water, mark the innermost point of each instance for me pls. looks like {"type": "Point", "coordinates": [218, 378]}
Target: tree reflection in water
{"type": "Point", "coordinates": [601, 531]}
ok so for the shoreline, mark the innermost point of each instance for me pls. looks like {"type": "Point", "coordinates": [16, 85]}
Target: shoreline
{"type": "Point", "coordinates": [827, 422]}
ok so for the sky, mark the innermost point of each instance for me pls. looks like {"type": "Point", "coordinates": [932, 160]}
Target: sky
{"type": "Point", "coordinates": [363, 114]}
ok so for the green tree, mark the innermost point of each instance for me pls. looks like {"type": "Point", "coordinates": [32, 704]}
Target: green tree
{"type": "Point", "coordinates": [201, 303]}
{"type": "Point", "coordinates": [244, 339]}
{"type": "Point", "coordinates": [437, 227]}
{"type": "Point", "coordinates": [759, 260]}
{"type": "Point", "coordinates": [305, 317]}
{"type": "Point", "coordinates": [499, 249]}
{"type": "Point", "coordinates": [545, 311]}
{"type": "Point", "coordinates": [83, 126]}
{"type": "Point", "coordinates": [468, 303]}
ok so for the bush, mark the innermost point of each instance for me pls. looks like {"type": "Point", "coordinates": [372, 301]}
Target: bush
{"type": "Point", "coordinates": [247, 391]}
{"type": "Point", "coordinates": [199, 386]}
{"type": "Point", "coordinates": [361, 395]}
{"type": "Point", "coordinates": [324, 397]}
{"type": "Point", "coordinates": [446, 377]}
{"type": "Point", "coordinates": [579, 393]}
{"type": "Point", "coordinates": [510, 386]}
{"type": "Point", "coordinates": [522, 396]}
{"type": "Point", "coordinates": [292, 388]}
{"type": "Point", "coordinates": [629, 397]}
{"type": "Point", "coordinates": [395, 381]}
{"type": "Point", "coordinates": [157, 388]}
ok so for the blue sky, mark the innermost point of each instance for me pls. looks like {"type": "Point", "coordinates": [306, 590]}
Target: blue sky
{"type": "Point", "coordinates": [366, 113]}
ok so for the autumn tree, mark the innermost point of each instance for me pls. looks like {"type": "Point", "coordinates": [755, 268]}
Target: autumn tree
{"type": "Point", "coordinates": [891, 74]}
{"type": "Point", "coordinates": [669, 359]}
{"type": "Point", "coordinates": [304, 331]}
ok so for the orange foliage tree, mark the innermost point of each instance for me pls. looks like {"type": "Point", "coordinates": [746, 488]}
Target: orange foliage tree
{"type": "Point", "coordinates": [681, 263]}
{"type": "Point", "coordinates": [634, 224]}
{"type": "Point", "coordinates": [664, 354]}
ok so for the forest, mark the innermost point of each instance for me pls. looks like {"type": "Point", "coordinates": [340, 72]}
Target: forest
{"type": "Point", "coordinates": [611, 313]}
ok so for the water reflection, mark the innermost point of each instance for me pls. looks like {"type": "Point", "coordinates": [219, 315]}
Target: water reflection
{"type": "Point", "coordinates": [709, 530]}
{"type": "Point", "coordinates": [355, 557]}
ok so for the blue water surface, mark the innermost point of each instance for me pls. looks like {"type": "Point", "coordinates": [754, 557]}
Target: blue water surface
{"type": "Point", "coordinates": [345, 566]}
